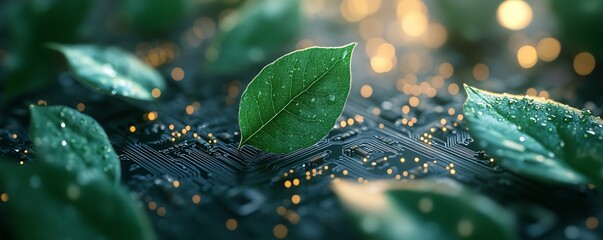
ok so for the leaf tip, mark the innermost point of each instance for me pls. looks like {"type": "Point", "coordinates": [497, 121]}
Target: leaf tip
{"type": "Point", "coordinates": [55, 46]}
{"type": "Point", "coordinates": [471, 91]}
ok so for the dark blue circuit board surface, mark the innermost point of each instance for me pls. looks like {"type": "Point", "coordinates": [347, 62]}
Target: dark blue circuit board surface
{"type": "Point", "coordinates": [194, 183]}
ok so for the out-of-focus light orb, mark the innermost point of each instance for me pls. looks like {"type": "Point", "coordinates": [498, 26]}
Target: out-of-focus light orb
{"type": "Point", "coordinates": [435, 36]}
{"type": "Point", "coordinates": [481, 72]}
{"type": "Point", "coordinates": [584, 63]}
{"type": "Point", "coordinates": [366, 91]}
{"type": "Point", "coordinates": [527, 56]}
{"type": "Point", "coordinates": [386, 50]}
{"type": "Point", "coordinates": [414, 24]}
{"type": "Point", "coordinates": [514, 14]}
{"type": "Point", "coordinates": [381, 64]}
{"type": "Point", "coordinates": [356, 10]}
{"type": "Point", "coordinates": [548, 49]}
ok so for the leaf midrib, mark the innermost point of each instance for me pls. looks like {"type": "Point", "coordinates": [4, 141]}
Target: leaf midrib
{"type": "Point", "coordinates": [289, 102]}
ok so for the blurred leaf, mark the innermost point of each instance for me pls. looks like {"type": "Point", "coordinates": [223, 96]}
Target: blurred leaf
{"type": "Point", "coordinates": [67, 138]}
{"type": "Point", "coordinates": [295, 101]}
{"type": "Point", "coordinates": [470, 26]}
{"type": "Point", "coordinates": [423, 210]}
{"type": "Point", "coordinates": [259, 30]}
{"type": "Point", "coordinates": [31, 24]}
{"type": "Point", "coordinates": [153, 16]}
{"type": "Point", "coordinates": [580, 24]}
{"type": "Point", "coordinates": [48, 202]}
{"type": "Point", "coordinates": [112, 71]}
{"type": "Point", "coordinates": [537, 138]}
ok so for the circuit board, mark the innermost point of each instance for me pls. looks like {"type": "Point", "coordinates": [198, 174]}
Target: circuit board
{"type": "Point", "coordinates": [180, 157]}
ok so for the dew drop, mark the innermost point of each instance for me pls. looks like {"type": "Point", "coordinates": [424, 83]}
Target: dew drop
{"type": "Point", "coordinates": [522, 139]}
{"type": "Point", "coordinates": [331, 97]}
{"type": "Point", "coordinates": [64, 143]}
{"type": "Point", "coordinates": [312, 100]}
{"type": "Point", "coordinates": [62, 125]}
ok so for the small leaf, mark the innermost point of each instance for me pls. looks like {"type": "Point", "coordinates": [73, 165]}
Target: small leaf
{"type": "Point", "coordinates": [537, 138]}
{"type": "Point", "coordinates": [46, 201]}
{"type": "Point", "coordinates": [112, 71]}
{"type": "Point", "coordinates": [69, 139]}
{"type": "Point", "coordinates": [423, 210]}
{"type": "Point", "coordinates": [294, 101]}
{"type": "Point", "coordinates": [260, 29]}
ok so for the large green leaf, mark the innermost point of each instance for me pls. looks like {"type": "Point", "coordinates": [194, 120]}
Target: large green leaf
{"type": "Point", "coordinates": [256, 32]}
{"type": "Point", "coordinates": [46, 201]}
{"type": "Point", "coordinates": [536, 137]}
{"type": "Point", "coordinates": [294, 101]}
{"type": "Point", "coordinates": [69, 139]}
{"type": "Point", "coordinates": [112, 71]}
{"type": "Point", "coordinates": [426, 209]}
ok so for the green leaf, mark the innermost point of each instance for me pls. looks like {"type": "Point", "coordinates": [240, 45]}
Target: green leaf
{"type": "Point", "coordinates": [255, 33]}
{"type": "Point", "coordinates": [294, 101]}
{"type": "Point", "coordinates": [112, 71]}
{"type": "Point", "coordinates": [537, 138]}
{"type": "Point", "coordinates": [46, 201]}
{"type": "Point", "coordinates": [424, 209]}
{"type": "Point", "coordinates": [69, 139]}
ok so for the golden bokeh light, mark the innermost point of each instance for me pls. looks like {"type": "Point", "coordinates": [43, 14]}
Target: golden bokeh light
{"type": "Point", "coordinates": [156, 93]}
{"type": "Point", "coordinates": [196, 199]}
{"type": "Point", "coordinates": [295, 199]}
{"type": "Point", "coordinates": [446, 70]}
{"type": "Point", "coordinates": [435, 36]}
{"type": "Point", "coordinates": [280, 231]}
{"type": "Point", "coordinates": [527, 56]}
{"type": "Point", "coordinates": [514, 14]}
{"type": "Point", "coordinates": [584, 63]}
{"type": "Point", "coordinates": [366, 91]}
{"type": "Point", "coordinates": [231, 224]}
{"type": "Point", "coordinates": [177, 74]}
{"type": "Point", "coordinates": [415, 23]}
{"type": "Point", "coordinates": [481, 72]}
{"type": "Point", "coordinates": [356, 10]}
{"type": "Point", "coordinates": [381, 64]}
{"type": "Point", "coordinates": [548, 49]}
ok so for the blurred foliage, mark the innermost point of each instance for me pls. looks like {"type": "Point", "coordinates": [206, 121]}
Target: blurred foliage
{"type": "Point", "coordinates": [579, 22]}
{"type": "Point", "coordinates": [32, 24]}
{"type": "Point", "coordinates": [257, 30]}
{"type": "Point", "coordinates": [112, 71]}
{"type": "Point", "coordinates": [48, 202]}
{"type": "Point", "coordinates": [473, 26]}
{"type": "Point", "coordinates": [153, 16]}
{"type": "Point", "coordinates": [424, 209]}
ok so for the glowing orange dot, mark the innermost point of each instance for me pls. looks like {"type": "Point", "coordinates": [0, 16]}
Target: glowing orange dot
{"type": "Point", "coordinates": [177, 74]}
{"type": "Point", "coordinates": [584, 63]}
{"type": "Point", "coordinates": [366, 91]}
{"type": "Point", "coordinates": [156, 92]}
